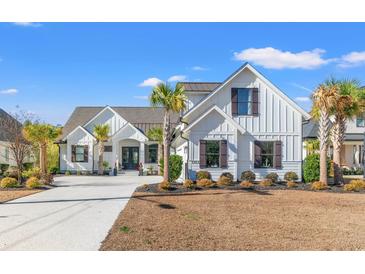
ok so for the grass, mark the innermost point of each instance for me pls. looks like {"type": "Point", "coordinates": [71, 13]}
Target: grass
{"type": "Point", "coordinates": [240, 220]}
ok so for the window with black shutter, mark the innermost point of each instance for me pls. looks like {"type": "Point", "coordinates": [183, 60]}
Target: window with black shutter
{"type": "Point", "coordinates": [245, 101]}
{"type": "Point", "coordinates": [268, 154]}
{"type": "Point", "coordinates": [79, 153]}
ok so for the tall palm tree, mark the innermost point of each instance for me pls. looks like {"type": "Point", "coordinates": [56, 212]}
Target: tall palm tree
{"type": "Point", "coordinates": [324, 97]}
{"type": "Point", "coordinates": [348, 104]}
{"type": "Point", "coordinates": [41, 135]}
{"type": "Point", "coordinates": [101, 133]}
{"type": "Point", "coordinates": [172, 100]}
{"type": "Point", "coordinates": [156, 134]}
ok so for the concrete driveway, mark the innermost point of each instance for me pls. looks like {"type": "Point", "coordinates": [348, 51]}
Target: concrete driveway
{"type": "Point", "coordinates": [76, 215]}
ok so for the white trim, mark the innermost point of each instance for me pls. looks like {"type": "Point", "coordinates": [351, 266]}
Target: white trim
{"type": "Point", "coordinates": [133, 127]}
{"type": "Point", "coordinates": [77, 128]}
{"type": "Point", "coordinates": [263, 78]}
{"type": "Point", "coordinates": [100, 112]}
{"type": "Point", "coordinates": [221, 112]}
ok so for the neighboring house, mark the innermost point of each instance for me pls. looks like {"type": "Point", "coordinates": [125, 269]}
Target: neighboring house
{"type": "Point", "coordinates": [352, 153]}
{"type": "Point", "coordinates": [127, 147]}
{"type": "Point", "coordinates": [6, 158]}
{"type": "Point", "coordinates": [243, 123]}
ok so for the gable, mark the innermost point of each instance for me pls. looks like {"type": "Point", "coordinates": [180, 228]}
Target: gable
{"type": "Point", "coordinates": [80, 136]}
{"type": "Point", "coordinates": [245, 76]}
{"type": "Point", "coordinates": [128, 131]}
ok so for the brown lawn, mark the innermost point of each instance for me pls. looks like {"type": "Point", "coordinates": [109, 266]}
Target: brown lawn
{"type": "Point", "coordinates": [7, 195]}
{"type": "Point", "coordinates": [240, 220]}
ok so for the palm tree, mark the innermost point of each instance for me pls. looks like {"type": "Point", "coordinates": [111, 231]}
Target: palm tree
{"type": "Point", "coordinates": [311, 146]}
{"type": "Point", "coordinates": [41, 135]}
{"type": "Point", "coordinates": [348, 104]}
{"type": "Point", "coordinates": [101, 133]}
{"type": "Point", "coordinates": [324, 97]}
{"type": "Point", "coordinates": [156, 134]}
{"type": "Point", "coordinates": [172, 100]}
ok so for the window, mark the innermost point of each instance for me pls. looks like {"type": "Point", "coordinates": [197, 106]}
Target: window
{"type": "Point", "coordinates": [212, 153]}
{"type": "Point", "coordinates": [80, 153]}
{"type": "Point", "coordinates": [264, 154]}
{"type": "Point", "coordinates": [108, 149]}
{"type": "Point", "coordinates": [152, 153]}
{"type": "Point", "coordinates": [244, 101]}
{"type": "Point", "coordinates": [360, 121]}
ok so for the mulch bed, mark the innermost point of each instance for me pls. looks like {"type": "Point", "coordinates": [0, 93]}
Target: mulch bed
{"type": "Point", "coordinates": [8, 194]}
{"type": "Point", "coordinates": [218, 219]}
{"type": "Point", "coordinates": [179, 188]}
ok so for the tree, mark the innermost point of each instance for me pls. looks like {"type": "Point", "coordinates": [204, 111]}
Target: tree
{"type": "Point", "coordinates": [324, 97]}
{"type": "Point", "coordinates": [11, 131]}
{"type": "Point", "coordinates": [41, 134]}
{"type": "Point", "coordinates": [172, 100]}
{"type": "Point", "coordinates": [155, 134]}
{"type": "Point", "coordinates": [348, 103]}
{"type": "Point", "coordinates": [101, 133]}
{"type": "Point", "coordinates": [311, 146]}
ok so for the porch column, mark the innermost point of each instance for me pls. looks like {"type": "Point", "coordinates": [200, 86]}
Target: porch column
{"type": "Point", "coordinates": [141, 153]}
{"type": "Point", "coordinates": [115, 154]}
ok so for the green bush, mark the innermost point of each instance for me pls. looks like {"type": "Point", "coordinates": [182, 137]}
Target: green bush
{"type": "Point", "coordinates": [203, 174]}
{"type": "Point", "coordinates": [8, 182]}
{"type": "Point", "coordinates": [11, 172]}
{"type": "Point", "coordinates": [68, 173]}
{"type": "Point", "coordinates": [290, 176]}
{"type": "Point", "coordinates": [248, 175]}
{"type": "Point", "coordinates": [28, 166]}
{"type": "Point", "coordinates": [3, 168]}
{"type": "Point", "coordinates": [33, 182]}
{"type": "Point", "coordinates": [54, 170]}
{"type": "Point", "coordinates": [34, 172]}
{"type": "Point", "coordinates": [273, 176]}
{"type": "Point", "coordinates": [311, 168]}
{"type": "Point", "coordinates": [175, 167]}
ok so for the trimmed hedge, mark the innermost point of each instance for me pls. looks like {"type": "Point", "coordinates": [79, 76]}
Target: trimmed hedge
{"type": "Point", "coordinates": [175, 167]}
{"type": "Point", "coordinates": [311, 168]}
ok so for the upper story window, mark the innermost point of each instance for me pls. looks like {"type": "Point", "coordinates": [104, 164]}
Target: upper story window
{"type": "Point", "coordinates": [245, 101]}
{"type": "Point", "coordinates": [360, 121]}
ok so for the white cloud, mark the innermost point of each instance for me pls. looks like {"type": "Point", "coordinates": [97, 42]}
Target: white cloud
{"type": "Point", "coordinates": [141, 97]}
{"type": "Point", "coordinates": [150, 82]}
{"type": "Point", "coordinates": [277, 59]}
{"type": "Point", "coordinates": [352, 59]}
{"type": "Point", "coordinates": [176, 78]}
{"type": "Point", "coordinates": [301, 87]}
{"type": "Point", "coordinates": [199, 68]}
{"type": "Point", "coordinates": [10, 91]}
{"type": "Point", "coordinates": [302, 99]}
{"type": "Point", "coordinates": [28, 24]}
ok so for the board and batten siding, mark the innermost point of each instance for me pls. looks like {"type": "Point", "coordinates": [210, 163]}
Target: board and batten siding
{"type": "Point", "coordinates": [277, 120]}
{"type": "Point", "coordinates": [108, 117]}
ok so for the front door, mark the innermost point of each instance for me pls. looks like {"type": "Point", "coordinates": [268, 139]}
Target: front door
{"type": "Point", "coordinates": [130, 157]}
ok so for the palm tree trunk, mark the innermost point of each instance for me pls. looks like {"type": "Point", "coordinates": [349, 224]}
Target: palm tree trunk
{"type": "Point", "coordinates": [43, 158]}
{"type": "Point", "coordinates": [166, 141]}
{"type": "Point", "coordinates": [338, 136]}
{"type": "Point", "coordinates": [323, 134]}
{"type": "Point", "coordinates": [160, 155]}
{"type": "Point", "coordinates": [101, 158]}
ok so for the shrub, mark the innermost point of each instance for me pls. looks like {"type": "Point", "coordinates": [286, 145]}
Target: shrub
{"type": "Point", "coordinates": [248, 175]}
{"type": "Point", "coordinates": [47, 179]}
{"type": "Point", "coordinates": [203, 174]}
{"type": "Point", "coordinates": [175, 167]}
{"type": "Point", "coordinates": [54, 170]}
{"type": "Point", "coordinates": [318, 185]}
{"type": "Point", "coordinates": [11, 172]}
{"type": "Point", "coordinates": [311, 168]}
{"type": "Point", "coordinates": [290, 176]}
{"type": "Point", "coordinates": [9, 182]}
{"type": "Point", "coordinates": [33, 172]}
{"type": "Point", "coordinates": [78, 172]}
{"type": "Point", "coordinates": [274, 177]}
{"type": "Point", "coordinates": [291, 184]}
{"type": "Point", "coordinates": [354, 185]}
{"type": "Point", "coordinates": [246, 184]}
{"type": "Point", "coordinates": [225, 179]}
{"type": "Point", "coordinates": [204, 183]}
{"type": "Point", "coordinates": [266, 182]}
{"type": "Point", "coordinates": [33, 182]}
{"type": "Point", "coordinates": [68, 173]}
{"type": "Point", "coordinates": [3, 168]}
{"type": "Point", "coordinates": [188, 184]}
{"type": "Point", "coordinates": [165, 185]}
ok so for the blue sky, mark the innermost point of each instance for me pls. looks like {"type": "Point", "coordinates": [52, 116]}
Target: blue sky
{"type": "Point", "coordinates": [49, 68]}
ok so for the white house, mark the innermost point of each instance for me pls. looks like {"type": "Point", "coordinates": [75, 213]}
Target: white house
{"type": "Point", "coordinates": [128, 145]}
{"type": "Point", "coordinates": [243, 123]}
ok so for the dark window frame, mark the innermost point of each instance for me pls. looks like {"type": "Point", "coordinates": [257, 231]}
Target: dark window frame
{"type": "Point", "coordinates": [83, 154]}
{"type": "Point", "coordinates": [108, 148]}
{"type": "Point", "coordinates": [248, 102]}
{"type": "Point", "coordinates": [155, 148]}
{"type": "Point", "coordinates": [266, 155]}
{"type": "Point", "coordinates": [362, 119]}
{"type": "Point", "coordinates": [208, 155]}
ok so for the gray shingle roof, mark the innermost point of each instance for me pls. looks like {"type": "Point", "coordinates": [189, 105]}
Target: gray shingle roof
{"type": "Point", "coordinates": [4, 135]}
{"type": "Point", "coordinates": [199, 86]}
{"type": "Point", "coordinates": [143, 118]}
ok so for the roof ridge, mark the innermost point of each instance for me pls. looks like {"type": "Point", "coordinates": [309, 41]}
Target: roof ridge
{"type": "Point", "coordinates": [199, 82]}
